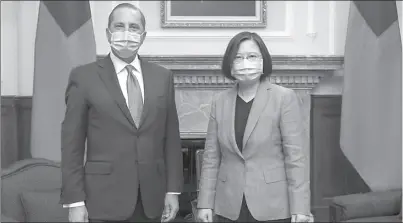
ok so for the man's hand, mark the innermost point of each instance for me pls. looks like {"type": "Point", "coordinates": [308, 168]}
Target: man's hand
{"type": "Point", "coordinates": [171, 207]}
{"type": "Point", "coordinates": [78, 214]}
{"type": "Point", "coordinates": [301, 218]}
{"type": "Point", "coordinates": [205, 215]}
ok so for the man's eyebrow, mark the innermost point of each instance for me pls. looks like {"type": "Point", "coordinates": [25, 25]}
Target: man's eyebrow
{"type": "Point", "coordinates": [134, 24]}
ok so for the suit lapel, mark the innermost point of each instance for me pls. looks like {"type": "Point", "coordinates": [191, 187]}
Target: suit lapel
{"type": "Point", "coordinates": [259, 103]}
{"type": "Point", "coordinates": [230, 105]}
{"type": "Point", "coordinates": [147, 79]}
{"type": "Point", "coordinates": [108, 75]}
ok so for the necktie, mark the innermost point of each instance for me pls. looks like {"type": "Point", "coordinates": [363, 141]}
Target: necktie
{"type": "Point", "coordinates": [135, 99]}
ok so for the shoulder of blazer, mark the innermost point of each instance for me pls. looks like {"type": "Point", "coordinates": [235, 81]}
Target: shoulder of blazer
{"type": "Point", "coordinates": [221, 96]}
{"type": "Point", "coordinates": [280, 89]}
{"type": "Point", "coordinates": [282, 93]}
{"type": "Point", "coordinates": [83, 72]}
{"type": "Point", "coordinates": [89, 66]}
{"type": "Point", "coordinates": [153, 66]}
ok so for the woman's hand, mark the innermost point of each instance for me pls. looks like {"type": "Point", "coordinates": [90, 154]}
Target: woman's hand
{"type": "Point", "coordinates": [78, 214]}
{"type": "Point", "coordinates": [301, 218]}
{"type": "Point", "coordinates": [205, 215]}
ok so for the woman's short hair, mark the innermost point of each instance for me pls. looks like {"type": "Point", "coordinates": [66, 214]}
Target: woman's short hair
{"type": "Point", "coordinates": [232, 50]}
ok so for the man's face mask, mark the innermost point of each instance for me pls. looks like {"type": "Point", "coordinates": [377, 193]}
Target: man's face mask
{"type": "Point", "coordinates": [125, 43]}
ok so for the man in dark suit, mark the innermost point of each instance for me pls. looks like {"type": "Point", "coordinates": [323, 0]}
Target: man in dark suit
{"type": "Point", "coordinates": [124, 109]}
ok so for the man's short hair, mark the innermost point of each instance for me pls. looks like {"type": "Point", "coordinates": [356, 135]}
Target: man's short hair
{"type": "Point", "coordinates": [232, 50]}
{"type": "Point", "coordinates": [130, 6]}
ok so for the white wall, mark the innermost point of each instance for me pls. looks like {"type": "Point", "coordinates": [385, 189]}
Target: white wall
{"type": "Point", "coordinates": [293, 28]}
{"type": "Point", "coordinates": [287, 32]}
{"type": "Point", "coordinates": [9, 48]}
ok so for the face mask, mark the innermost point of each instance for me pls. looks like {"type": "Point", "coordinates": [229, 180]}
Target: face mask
{"type": "Point", "coordinates": [125, 43]}
{"type": "Point", "coordinates": [247, 71]}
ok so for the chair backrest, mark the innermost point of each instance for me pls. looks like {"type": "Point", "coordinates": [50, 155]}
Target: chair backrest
{"type": "Point", "coordinates": [199, 162]}
{"type": "Point", "coordinates": [26, 175]}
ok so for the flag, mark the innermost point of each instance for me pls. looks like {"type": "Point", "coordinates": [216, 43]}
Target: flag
{"type": "Point", "coordinates": [371, 122]}
{"type": "Point", "coordinates": [64, 40]}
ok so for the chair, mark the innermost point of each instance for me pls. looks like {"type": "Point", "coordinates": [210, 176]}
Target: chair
{"type": "Point", "coordinates": [382, 206]}
{"type": "Point", "coordinates": [30, 191]}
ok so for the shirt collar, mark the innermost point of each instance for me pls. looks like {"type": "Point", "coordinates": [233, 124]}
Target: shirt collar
{"type": "Point", "coordinates": [120, 64]}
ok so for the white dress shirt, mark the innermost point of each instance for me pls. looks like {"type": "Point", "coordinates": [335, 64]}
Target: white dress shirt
{"type": "Point", "coordinates": [121, 72]}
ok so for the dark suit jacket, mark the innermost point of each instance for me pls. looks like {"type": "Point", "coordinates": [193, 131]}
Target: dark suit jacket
{"type": "Point", "coordinates": [270, 170]}
{"type": "Point", "coordinates": [120, 157]}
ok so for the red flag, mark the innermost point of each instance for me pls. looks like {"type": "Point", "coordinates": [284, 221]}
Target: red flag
{"type": "Point", "coordinates": [371, 125]}
{"type": "Point", "coordinates": [64, 40]}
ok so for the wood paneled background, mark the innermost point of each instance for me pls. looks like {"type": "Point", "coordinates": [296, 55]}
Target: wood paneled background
{"type": "Point", "coordinates": [331, 172]}
{"type": "Point", "coordinates": [15, 129]}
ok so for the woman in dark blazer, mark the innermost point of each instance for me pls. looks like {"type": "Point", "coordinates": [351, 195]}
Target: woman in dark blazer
{"type": "Point", "coordinates": [254, 165]}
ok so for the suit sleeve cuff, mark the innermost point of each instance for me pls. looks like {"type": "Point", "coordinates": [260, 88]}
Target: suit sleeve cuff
{"type": "Point", "coordinates": [73, 205]}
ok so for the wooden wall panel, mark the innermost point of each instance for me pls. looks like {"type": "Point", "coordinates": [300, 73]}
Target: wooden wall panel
{"type": "Point", "coordinates": [15, 129]}
{"type": "Point", "coordinates": [9, 141]}
{"type": "Point", "coordinates": [331, 173]}
{"type": "Point", "coordinates": [24, 126]}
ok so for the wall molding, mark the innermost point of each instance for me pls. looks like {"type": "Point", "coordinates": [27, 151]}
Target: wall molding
{"type": "Point", "coordinates": [161, 35]}
{"type": "Point", "coordinates": [297, 72]}
{"type": "Point", "coordinates": [297, 82]}
{"type": "Point", "coordinates": [280, 62]}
